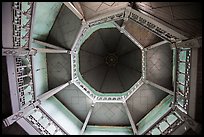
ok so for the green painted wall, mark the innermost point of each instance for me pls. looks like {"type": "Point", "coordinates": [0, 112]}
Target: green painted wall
{"type": "Point", "coordinates": [62, 115]}
{"type": "Point", "coordinates": [45, 15]}
{"type": "Point", "coordinates": [107, 130]}
{"type": "Point", "coordinates": [154, 114]}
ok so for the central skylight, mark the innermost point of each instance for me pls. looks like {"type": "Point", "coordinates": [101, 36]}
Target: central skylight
{"type": "Point", "coordinates": [109, 61]}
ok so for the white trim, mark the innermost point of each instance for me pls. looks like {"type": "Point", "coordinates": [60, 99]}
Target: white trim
{"type": "Point", "coordinates": [87, 119]}
{"type": "Point", "coordinates": [73, 9]}
{"type": "Point", "coordinates": [51, 92]}
{"type": "Point", "coordinates": [32, 24]}
{"type": "Point", "coordinates": [122, 30]}
{"type": "Point", "coordinates": [76, 84]}
{"type": "Point", "coordinates": [77, 5]}
{"type": "Point", "coordinates": [193, 83]}
{"type": "Point", "coordinates": [130, 119]}
{"type": "Point", "coordinates": [7, 25]}
{"type": "Point", "coordinates": [13, 87]}
{"type": "Point", "coordinates": [27, 127]}
{"type": "Point", "coordinates": [156, 45]}
{"type": "Point", "coordinates": [47, 44]}
{"type": "Point", "coordinates": [140, 82]}
{"type": "Point", "coordinates": [42, 50]}
{"type": "Point", "coordinates": [109, 101]}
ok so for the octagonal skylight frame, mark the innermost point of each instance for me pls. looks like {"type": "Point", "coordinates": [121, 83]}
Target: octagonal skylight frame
{"type": "Point", "coordinates": [85, 31]}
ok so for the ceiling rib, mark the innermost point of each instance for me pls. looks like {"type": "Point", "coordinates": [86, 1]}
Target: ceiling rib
{"type": "Point", "coordinates": [74, 10]}
{"type": "Point", "coordinates": [156, 45]}
{"type": "Point", "coordinates": [131, 119]}
{"type": "Point", "coordinates": [87, 119]}
{"type": "Point", "coordinates": [159, 87]}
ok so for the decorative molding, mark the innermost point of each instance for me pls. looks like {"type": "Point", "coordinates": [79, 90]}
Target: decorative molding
{"type": "Point", "coordinates": [182, 95]}
{"type": "Point", "coordinates": [41, 127]}
{"type": "Point", "coordinates": [156, 45]}
{"type": "Point", "coordinates": [157, 28]}
{"type": "Point", "coordinates": [19, 12]}
{"type": "Point", "coordinates": [111, 16]}
{"type": "Point", "coordinates": [17, 52]}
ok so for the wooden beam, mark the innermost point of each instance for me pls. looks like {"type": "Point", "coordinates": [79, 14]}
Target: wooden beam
{"type": "Point", "coordinates": [43, 50]}
{"type": "Point", "coordinates": [130, 119]}
{"type": "Point", "coordinates": [156, 45]}
{"type": "Point", "coordinates": [87, 119]}
{"type": "Point", "coordinates": [47, 44]}
{"type": "Point", "coordinates": [74, 10]}
{"type": "Point", "coordinates": [50, 93]}
{"type": "Point", "coordinates": [77, 5]}
{"type": "Point", "coordinates": [159, 87]}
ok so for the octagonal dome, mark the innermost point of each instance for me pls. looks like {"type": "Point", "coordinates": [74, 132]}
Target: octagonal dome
{"type": "Point", "coordinates": [112, 58]}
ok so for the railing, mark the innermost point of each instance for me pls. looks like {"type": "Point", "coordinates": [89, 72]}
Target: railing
{"type": "Point", "coordinates": [22, 19]}
{"type": "Point", "coordinates": [111, 17]}
{"type": "Point", "coordinates": [183, 77]}
{"type": "Point", "coordinates": [166, 125]}
{"type": "Point", "coordinates": [156, 27]}
{"type": "Point", "coordinates": [42, 123]}
{"type": "Point", "coordinates": [24, 81]}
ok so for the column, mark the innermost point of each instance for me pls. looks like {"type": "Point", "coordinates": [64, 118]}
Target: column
{"type": "Point", "coordinates": [87, 119]}
{"type": "Point", "coordinates": [127, 13]}
{"type": "Point", "coordinates": [156, 45]}
{"type": "Point", "coordinates": [42, 50]}
{"type": "Point", "coordinates": [50, 93]}
{"type": "Point", "coordinates": [130, 118]}
{"type": "Point", "coordinates": [159, 87]}
{"type": "Point", "coordinates": [47, 44]}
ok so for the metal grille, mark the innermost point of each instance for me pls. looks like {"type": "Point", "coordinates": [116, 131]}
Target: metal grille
{"type": "Point", "coordinates": [24, 81]}
{"type": "Point", "coordinates": [43, 124]}
{"type": "Point", "coordinates": [183, 77]}
{"type": "Point", "coordinates": [168, 123]}
{"type": "Point", "coordinates": [22, 17]}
